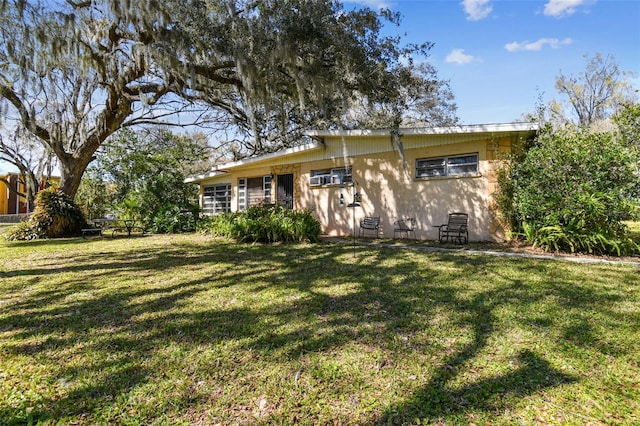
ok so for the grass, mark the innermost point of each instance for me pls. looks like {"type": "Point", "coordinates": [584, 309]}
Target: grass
{"type": "Point", "coordinates": [6, 227]}
{"type": "Point", "coordinates": [191, 330]}
{"type": "Point", "coordinates": [634, 227]}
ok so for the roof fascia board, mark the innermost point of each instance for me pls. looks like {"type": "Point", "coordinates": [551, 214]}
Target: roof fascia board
{"type": "Point", "coordinates": [277, 154]}
{"type": "Point", "coordinates": [463, 129]}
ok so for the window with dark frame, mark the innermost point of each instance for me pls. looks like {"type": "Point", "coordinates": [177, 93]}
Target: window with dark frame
{"type": "Point", "coordinates": [458, 165]}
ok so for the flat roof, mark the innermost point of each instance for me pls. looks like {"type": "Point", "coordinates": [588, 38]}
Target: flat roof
{"type": "Point", "coordinates": [461, 129]}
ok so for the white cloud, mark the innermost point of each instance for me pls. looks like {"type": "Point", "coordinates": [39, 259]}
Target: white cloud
{"type": "Point", "coordinates": [535, 46]}
{"type": "Point", "coordinates": [560, 8]}
{"type": "Point", "coordinates": [457, 56]}
{"type": "Point", "coordinates": [476, 9]}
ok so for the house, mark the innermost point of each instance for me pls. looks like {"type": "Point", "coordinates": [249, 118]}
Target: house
{"type": "Point", "coordinates": [10, 201]}
{"type": "Point", "coordinates": [11, 187]}
{"type": "Point", "coordinates": [422, 173]}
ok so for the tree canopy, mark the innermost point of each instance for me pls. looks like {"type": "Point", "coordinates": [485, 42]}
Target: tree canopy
{"type": "Point", "coordinates": [599, 92]}
{"type": "Point", "coordinates": [140, 173]}
{"type": "Point", "coordinates": [260, 71]}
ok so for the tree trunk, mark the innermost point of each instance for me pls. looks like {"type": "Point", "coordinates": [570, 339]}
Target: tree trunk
{"type": "Point", "coordinates": [71, 171]}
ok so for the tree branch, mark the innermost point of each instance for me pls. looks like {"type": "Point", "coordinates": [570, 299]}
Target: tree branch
{"type": "Point", "coordinates": [26, 119]}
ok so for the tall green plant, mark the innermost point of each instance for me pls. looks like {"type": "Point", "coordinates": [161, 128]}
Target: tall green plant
{"type": "Point", "coordinates": [572, 192]}
{"type": "Point", "coordinates": [56, 215]}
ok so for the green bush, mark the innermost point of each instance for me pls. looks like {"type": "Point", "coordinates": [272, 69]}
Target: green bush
{"type": "Point", "coordinates": [572, 192]}
{"type": "Point", "coordinates": [23, 231]}
{"type": "Point", "coordinates": [55, 215]}
{"type": "Point", "coordinates": [173, 219]}
{"type": "Point", "coordinates": [264, 223]}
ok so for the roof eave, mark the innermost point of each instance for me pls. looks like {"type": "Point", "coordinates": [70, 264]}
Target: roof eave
{"type": "Point", "coordinates": [461, 129]}
{"type": "Point", "coordinates": [222, 169]}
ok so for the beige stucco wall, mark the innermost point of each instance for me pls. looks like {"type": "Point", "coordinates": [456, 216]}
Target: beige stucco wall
{"type": "Point", "coordinates": [388, 189]}
{"type": "Point", "coordinates": [392, 192]}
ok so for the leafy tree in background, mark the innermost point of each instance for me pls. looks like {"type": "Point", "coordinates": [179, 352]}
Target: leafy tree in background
{"type": "Point", "coordinates": [596, 94]}
{"type": "Point", "coordinates": [144, 173]}
{"type": "Point", "coordinates": [260, 72]}
{"type": "Point", "coordinates": [96, 197]}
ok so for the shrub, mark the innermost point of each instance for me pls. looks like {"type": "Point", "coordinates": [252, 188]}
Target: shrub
{"type": "Point", "coordinates": [264, 223]}
{"type": "Point", "coordinates": [55, 215]}
{"type": "Point", "coordinates": [23, 231]}
{"type": "Point", "coordinates": [572, 192]}
{"type": "Point", "coordinates": [173, 219]}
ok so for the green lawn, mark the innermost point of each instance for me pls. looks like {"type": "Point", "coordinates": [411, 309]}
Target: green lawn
{"type": "Point", "coordinates": [191, 330]}
{"type": "Point", "coordinates": [6, 227]}
{"type": "Point", "coordinates": [635, 230]}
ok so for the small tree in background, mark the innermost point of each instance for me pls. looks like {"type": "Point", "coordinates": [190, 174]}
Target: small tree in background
{"type": "Point", "coordinates": [599, 92]}
{"type": "Point", "coordinates": [95, 196]}
{"type": "Point", "coordinates": [141, 175]}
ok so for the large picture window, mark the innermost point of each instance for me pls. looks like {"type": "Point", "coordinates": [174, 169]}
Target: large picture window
{"type": "Point", "coordinates": [216, 199]}
{"type": "Point", "coordinates": [459, 165]}
{"type": "Point", "coordinates": [253, 191]}
{"type": "Point", "coordinates": [331, 176]}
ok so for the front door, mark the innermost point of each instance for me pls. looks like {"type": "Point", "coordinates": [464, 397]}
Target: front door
{"type": "Point", "coordinates": [285, 191]}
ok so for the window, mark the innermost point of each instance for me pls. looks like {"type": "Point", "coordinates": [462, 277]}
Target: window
{"type": "Point", "coordinates": [216, 199]}
{"type": "Point", "coordinates": [331, 176]}
{"type": "Point", "coordinates": [460, 165]}
{"type": "Point", "coordinates": [252, 191]}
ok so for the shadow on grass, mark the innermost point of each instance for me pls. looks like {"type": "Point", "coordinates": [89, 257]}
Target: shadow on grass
{"type": "Point", "coordinates": [124, 326]}
{"type": "Point", "coordinates": [437, 401]}
{"type": "Point", "coordinates": [440, 399]}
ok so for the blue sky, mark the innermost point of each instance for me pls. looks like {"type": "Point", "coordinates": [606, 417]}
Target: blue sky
{"type": "Point", "coordinates": [498, 56]}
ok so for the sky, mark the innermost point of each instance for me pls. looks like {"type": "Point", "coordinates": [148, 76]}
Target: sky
{"type": "Point", "coordinates": [500, 57]}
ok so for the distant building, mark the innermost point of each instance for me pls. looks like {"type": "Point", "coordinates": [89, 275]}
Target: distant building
{"type": "Point", "coordinates": [11, 185]}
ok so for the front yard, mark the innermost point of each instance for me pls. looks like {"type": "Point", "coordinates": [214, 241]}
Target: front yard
{"type": "Point", "coordinates": [191, 330]}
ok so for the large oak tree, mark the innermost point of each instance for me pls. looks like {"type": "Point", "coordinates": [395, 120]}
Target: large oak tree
{"type": "Point", "coordinates": [74, 72]}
